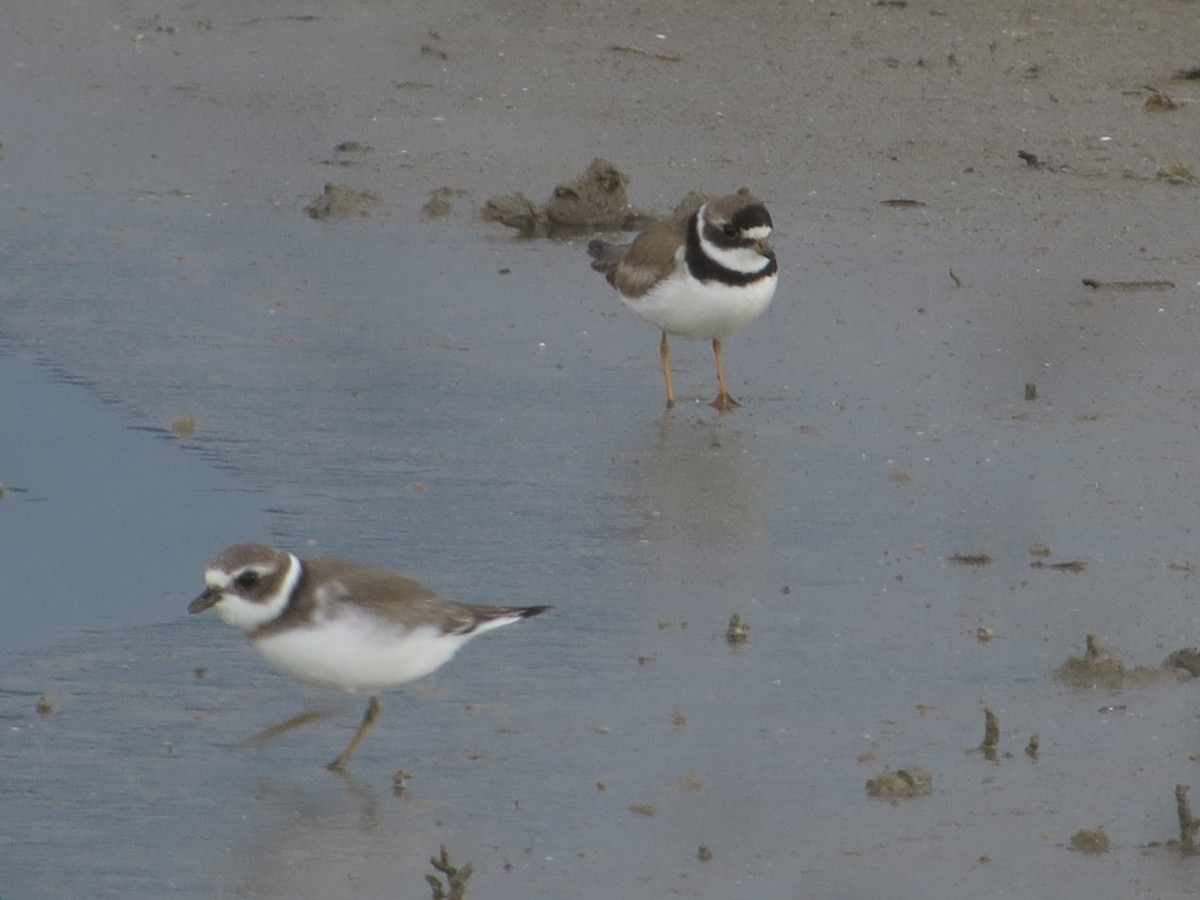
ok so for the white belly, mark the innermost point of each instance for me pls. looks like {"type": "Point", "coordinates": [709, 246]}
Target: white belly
{"type": "Point", "coordinates": [354, 653]}
{"type": "Point", "coordinates": [701, 311]}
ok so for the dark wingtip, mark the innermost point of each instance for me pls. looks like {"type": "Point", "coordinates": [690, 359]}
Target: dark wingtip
{"type": "Point", "coordinates": [529, 611]}
{"type": "Point", "coordinates": [604, 257]}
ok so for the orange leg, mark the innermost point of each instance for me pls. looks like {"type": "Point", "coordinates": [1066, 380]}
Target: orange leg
{"type": "Point", "coordinates": [723, 400]}
{"type": "Point", "coordinates": [664, 354]}
{"type": "Point", "coordinates": [368, 722]}
{"type": "Point", "coordinates": [269, 734]}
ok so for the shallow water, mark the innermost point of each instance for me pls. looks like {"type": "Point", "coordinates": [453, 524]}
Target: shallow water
{"type": "Point", "coordinates": [99, 512]}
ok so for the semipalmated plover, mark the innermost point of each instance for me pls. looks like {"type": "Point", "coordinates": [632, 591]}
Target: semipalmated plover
{"type": "Point", "coordinates": [340, 624]}
{"type": "Point", "coordinates": [703, 274]}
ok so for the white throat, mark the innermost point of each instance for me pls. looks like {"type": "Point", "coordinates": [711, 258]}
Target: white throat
{"type": "Point", "coordinates": [248, 614]}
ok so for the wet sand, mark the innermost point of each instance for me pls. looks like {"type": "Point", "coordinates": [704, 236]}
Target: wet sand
{"type": "Point", "coordinates": [439, 395]}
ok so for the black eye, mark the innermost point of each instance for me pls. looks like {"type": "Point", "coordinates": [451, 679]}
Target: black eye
{"type": "Point", "coordinates": [730, 231]}
{"type": "Point", "coordinates": [246, 580]}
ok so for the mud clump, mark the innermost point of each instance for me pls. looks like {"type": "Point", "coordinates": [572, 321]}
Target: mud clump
{"type": "Point", "coordinates": [516, 211]}
{"type": "Point", "coordinates": [338, 201]}
{"type": "Point", "coordinates": [349, 153]}
{"type": "Point", "coordinates": [1186, 658]}
{"type": "Point", "coordinates": [974, 560]}
{"type": "Point", "coordinates": [441, 202]}
{"type": "Point", "coordinates": [1176, 173]}
{"type": "Point", "coordinates": [1101, 667]}
{"type": "Point", "coordinates": [595, 201]}
{"type": "Point", "coordinates": [1090, 840]}
{"type": "Point", "coordinates": [1098, 667]}
{"type": "Point", "coordinates": [184, 427]}
{"type": "Point", "coordinates": [456, 877]}
{"type": "Point", "coordinates": [991, 735]}
{"type": "Point", "coordinates": [1187, 822]}
{"type": "Point", "coordinates": [1157, 101]}
{"type": "Point", "coordinates": [902, 784]}
{"type": "Point", "coordinates": [737, 632]}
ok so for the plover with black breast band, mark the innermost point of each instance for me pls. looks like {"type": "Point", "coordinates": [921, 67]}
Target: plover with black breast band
{"type": "Point", "coordinates": [703, 274]}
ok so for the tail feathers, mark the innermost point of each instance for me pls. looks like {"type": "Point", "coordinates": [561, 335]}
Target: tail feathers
{"type": "Point", "coordinates": [606, 256]}
{"type": "Point", "coordinates": [489, 617]}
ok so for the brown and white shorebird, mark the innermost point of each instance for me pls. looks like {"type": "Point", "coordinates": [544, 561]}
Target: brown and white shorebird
{"type": "Point", "coordinates": [341, 624]}
{"type": "Point", "coordinates": [702, 274]}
